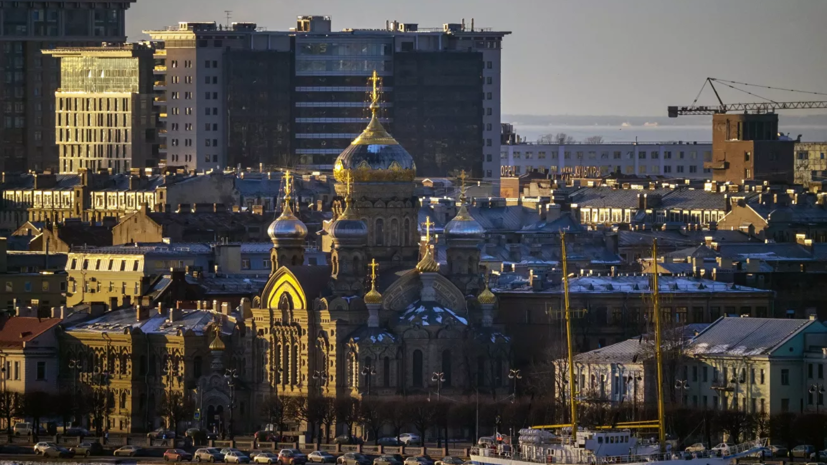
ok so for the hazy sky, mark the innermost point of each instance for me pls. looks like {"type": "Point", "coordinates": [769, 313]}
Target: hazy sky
{"type": "Point", "coordinates": [584, 57]}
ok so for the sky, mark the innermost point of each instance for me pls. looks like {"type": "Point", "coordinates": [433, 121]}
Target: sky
{"type": "Point", "coordinates": [583, 57]}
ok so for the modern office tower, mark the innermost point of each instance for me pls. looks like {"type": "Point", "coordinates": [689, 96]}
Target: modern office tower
{"type": "Point", "coordinates": [27, 90]}
{"type": "Point", "coordinates": [243, 96]}
{"type": "Point", "coordinates": [105, 110]}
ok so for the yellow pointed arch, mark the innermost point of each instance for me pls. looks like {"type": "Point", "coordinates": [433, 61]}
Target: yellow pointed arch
{"type": "Point", "coordinates": [283, 281]}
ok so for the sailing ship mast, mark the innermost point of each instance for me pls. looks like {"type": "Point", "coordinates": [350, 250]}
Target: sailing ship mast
{"type": "Point", "coordinates": [569, 338]}
{"type": "Point", "coordinates": [658, 348]}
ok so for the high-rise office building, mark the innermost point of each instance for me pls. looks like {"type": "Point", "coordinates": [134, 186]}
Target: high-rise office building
{"type": "Point", "coordinates": [27, 91]}
{"type": "Point", "coordinates": [106, 109]}
{"type": "Point", "coordinates": [243, 96]}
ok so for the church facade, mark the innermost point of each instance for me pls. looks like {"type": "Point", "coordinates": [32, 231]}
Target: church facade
{"type": "Point", "coordinates": [383, 318]}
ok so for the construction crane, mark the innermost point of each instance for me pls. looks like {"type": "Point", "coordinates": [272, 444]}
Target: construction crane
{"type": "Point", "coordinates": [759, 107]}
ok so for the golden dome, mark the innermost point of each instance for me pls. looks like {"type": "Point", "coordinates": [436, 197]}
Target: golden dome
{"type": "Point", "coordinates": [487, 297]}
{"type": "Point", "coordinates": [375, 156]}
{"type": "Point", "coordinates": [428, 264]}
{"type": "Point", "coordinates": [217, 344]}
{"type": "Point", "coordinates": [373, 296]}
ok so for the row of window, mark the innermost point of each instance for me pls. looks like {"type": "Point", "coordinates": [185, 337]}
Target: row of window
{"type": "Point", "coordinates": [616, 155]}
{"type": "Point", "coordinates": [607, 169]}
{"type": "Point", "coordinates": [45, 286]}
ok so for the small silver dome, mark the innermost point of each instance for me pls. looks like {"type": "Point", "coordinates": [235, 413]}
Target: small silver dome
{"type": "Point", "coordinates": [463, 225]}
{"type": "Point", "coordinates": [347, 228]}
{"type": "Point", "coordinates": [287, 226]}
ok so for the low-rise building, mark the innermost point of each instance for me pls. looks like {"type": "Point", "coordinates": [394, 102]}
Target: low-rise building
{"type": "Point", "coordinates": [29, 354]}
{"type": "Point", "coordinates": [667, 159]}
{"type": "Point", "coordinates": [31, 279]}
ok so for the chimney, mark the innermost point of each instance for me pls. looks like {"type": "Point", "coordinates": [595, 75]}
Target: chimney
{"type": "Point", "coordinates": [175, 314]}
{"type": "Point", "coordinates": [708, 240]}
{"type": "Point", "coordinates": [727, 203]}
{"type": "Point", "coordinates": [225, 308]}
{"type": "Point", "coordinates": [141, 313]}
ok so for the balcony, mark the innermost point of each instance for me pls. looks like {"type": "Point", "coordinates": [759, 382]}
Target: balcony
{"type": "Point", "coordinates": [162, 115]}
{"type": "Point", "coordinates": [161, 53]}
{"type": "Point", "coordinates": [160, 69]}
{"type": "Point", "coordinates": [159, 101]}
{"type": "Point", "coordinates": [160, 85]}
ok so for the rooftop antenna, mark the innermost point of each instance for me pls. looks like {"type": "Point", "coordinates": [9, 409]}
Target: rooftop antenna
{"type": "Point", "coordinates": [228, 14]}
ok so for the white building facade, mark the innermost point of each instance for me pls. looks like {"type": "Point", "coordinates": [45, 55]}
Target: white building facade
{"type": "Point", "coordinates": [670, 159]}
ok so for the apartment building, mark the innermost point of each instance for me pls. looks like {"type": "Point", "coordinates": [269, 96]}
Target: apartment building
{"type": "Point", "coordinates": [244, 96]}
{"type": "Point", "coordinates": [27, 94]}
{"type": "Point", "coordinates": [29, 354]}
{"type": "Point", "coordinates": [668, 159]}
{"type": "Point", "coordinates": [106, 111]}
{"type": "Point", "coordinates": [755, 365]}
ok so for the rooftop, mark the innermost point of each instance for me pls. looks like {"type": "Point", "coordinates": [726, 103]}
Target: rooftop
{"type": "Point", "coordinates": [746, 336]}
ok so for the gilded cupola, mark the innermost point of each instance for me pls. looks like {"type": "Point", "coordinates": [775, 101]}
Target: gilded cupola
{"type": "Point", "coordinates": [375, 156]}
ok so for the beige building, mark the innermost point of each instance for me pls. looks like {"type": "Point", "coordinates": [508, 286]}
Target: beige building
{"type": "Point", "coordinates": [29, 279]}
{"type": "Point", "coordinates": [28, 352]}
{"type": "Point", "coordinates": [105, 108]}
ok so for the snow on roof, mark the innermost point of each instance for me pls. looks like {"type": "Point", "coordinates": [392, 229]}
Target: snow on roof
{"type": "Point", "coordinates": [641, 284]}
{"type": "Point", "coordinates": [746, 336]}
{"type": "Point", "coordinates": [430, 313]}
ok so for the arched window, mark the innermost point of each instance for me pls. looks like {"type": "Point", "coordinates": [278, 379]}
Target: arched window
{"type": "Point", "coordinates": [498, 373]}
{"type": "Point", "coordinates": [417, 368]}
{"type": "Point", "coordinates": [351, 368]}
{"type": "Point", "coordinates": [379, 232]}
{"type": "Point", "coordinates": [277, 364]}
{"type": "Point", "coordinates": [406, 233]}
{"type": "Point", "coordinates": [197, 365]}
{"type": "Point", "coordinates": [394, 232]}
{"type": "Point", "coordinates": [446, 367]}
{"type": "Point", "coordinates": [480, 371]}
{"type": "Point", "coordinates": [357, 266]}
{"type": "Point", "coordinates": [295, 261]}
{"type": "Point", "coordinates": [124, 363]}
{"type": "Point", "coordinates": [285, 301]}
{"type": "Point", "coordinates": [386, 372]}
{"type": "Point", "coordinates": [123, 401]}
{"type": "Point", "coordinates": [282, 260]}
{"type": "Point", "coordinates": [294, 366]}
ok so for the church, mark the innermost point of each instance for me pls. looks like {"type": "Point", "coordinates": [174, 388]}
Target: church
{"type": "Point", "coordinates": [384, 318]}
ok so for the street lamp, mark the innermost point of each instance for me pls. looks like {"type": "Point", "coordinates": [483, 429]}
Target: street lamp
{"type": "Point", "coordinates": [171, 372]}
{"type": "Point", "coordinates": [682, 385]}
{"type": "Point", "coordinates": [819, 390]}
{"type": "Point", "coordinates": [438, 377]}
{"type": "Point", "coordinates": [514, 375]}
{"type": "Point", "coordinates": [321, 379]}
{"type": "Point", "coordinates": [368, 371]}
{"type": "Point", "coordinates": [231, 375]}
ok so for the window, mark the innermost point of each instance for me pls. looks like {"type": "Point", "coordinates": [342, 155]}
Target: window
{"type": "Point", "coordinates": [245, 263]}
{"type": "Point", "coordinates": [16, 370]}
{"type": "Point", "coordinates": [27, 286]}
{"type": "Point", "coordinates": [785, 377]}
{"type": "Point", "coordinates": [41, 371]}
{"type": "Point", "coordinates": [694, 374]}
{"type": "Point", "coordinates": [809, 370]}
{"type": "Point", "coordinates": [785, 405]}
{"type": "Point", "coordinates": [417, 368]}
{"type": "Point", "coordinates": [820, 371]}
{"type": "Point", "coordinates": [44, 286]}
{"type": "Point", "coordinates": [705, 373]}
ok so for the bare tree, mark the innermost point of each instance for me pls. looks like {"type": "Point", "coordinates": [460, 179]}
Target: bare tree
{"type": "Point", "coordinates": [372, 414]}
{"type": "Point", "coordinates": [10, 406]}
{"type": "Point", "coordinates": [275, 411]}
{"type": "Point", "coordinates": [347, 412]}
{"type": "Point", "coordinates": [593, 140]}
{"type": "Point", "coordinates": [423, 415]}
{"type": "Point", "coordinates": [176, 406]}
{"type": "Point", "coordinates": [559, 138]}
{"type": "Point", "coordinates": [397, 415]}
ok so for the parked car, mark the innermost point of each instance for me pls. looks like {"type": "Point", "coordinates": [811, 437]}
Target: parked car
{"type": "Point", "coordinates": [448, 460]}
{"type": "Point", "coordinates": [41, 446]}
{"type": "Point", "coordinates": [320, 456]}
{"type": "Point", "coordinates": [389, 442]}
{"type": "Point", "coordinates": [347, 439]}
{"type": "Point", "coordinates": [353, 458]}
{"type": "Point", "coordinates": [388, 460]}
{"type": "Point", "coordinates": [253, 453]}
{"type": "Point", "coordinates": [803, 451]}
{"type": "Point", "coordinates": [419, 460]}
{"type": "Point", "coordinates": [161, 433]}
{"type": "Point", "coordinates": [266, 457]}
{"type": "Point", "coordinates": [236, 456]}
{"type": "Point", "coordinates": [87, 448]}
{"type": "Point", "coordinates": [208, 454]}
{"type": "Point", "coordinates": [127, 451]}
{"type": "Point", "coordinates": [409, 439]}
{"type": "Point", "coordinates": [227, 450]}
{"type": "Point", "coordinates": [25, 429]}
{"type": "Point", "coordinates": [697, 447]}
{"type": "Point", "coordinates": [292, 457]}
{"type": "Point", "coordinates": [58, 452]}
{"type": "Point", "coordinates": [177, 455]}
{"type": "Point", "coordinates": [778, 451]}
{"type": "Point", "coordinates": [76, 431]}
{"type": "Point", "coordinates": [266, 436]}
{"type": "Point", "coordinates": [721, 449]}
